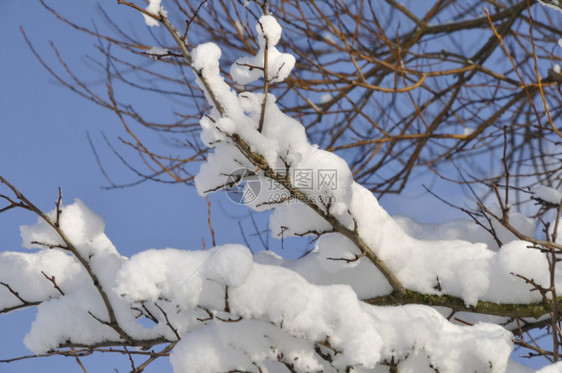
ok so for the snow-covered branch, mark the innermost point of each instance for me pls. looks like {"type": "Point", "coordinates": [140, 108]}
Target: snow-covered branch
{"type": "Point", "coordinates": [373, 292]}
{"type": "Point", "coordinates": [53, 234]}
{"type": "Point", "coordinates": [281, 150]}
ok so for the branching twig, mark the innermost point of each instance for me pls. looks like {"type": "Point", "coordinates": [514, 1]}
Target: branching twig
{"type": "Point", "coordinates": [168, 321]}
{"type": "Point", "coordinates": [52, 280]}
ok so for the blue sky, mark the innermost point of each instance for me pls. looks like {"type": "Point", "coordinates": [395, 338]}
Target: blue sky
{"type": "Point", "coordinates": [44, 145]}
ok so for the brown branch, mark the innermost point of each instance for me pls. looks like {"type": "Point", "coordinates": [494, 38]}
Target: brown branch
{"type": "Point", "coordinates": [87, 350]}
{"type": "Point", "coordinates": [164, 352]}
{"type": "Point", "coordinates": [157, 17]}
{"type": "Point", "coordinates": [24, 303]}
{"type": "Point", "coordinates": [543, 98]}
{"type": "Point", "coordinates": [78, 361]}
{"type": "Point", "coordinates": [457, 304]}
{"type": "Point", "coordinates": [52, 280]}
{"type": "Point", "coordinates": [168, 321]}
{"type": "Point", "coordinates": [505, 222]}
{"type": "Point", "coordinates": [50, 245]}
{"type": "Point", "coordinates": [209, 221]}
{"type": "Point", "coordinates": [265, 79]}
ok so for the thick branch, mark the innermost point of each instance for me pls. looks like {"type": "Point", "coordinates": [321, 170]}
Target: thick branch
{"type": "Point", "coordinates": [457, 304]}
